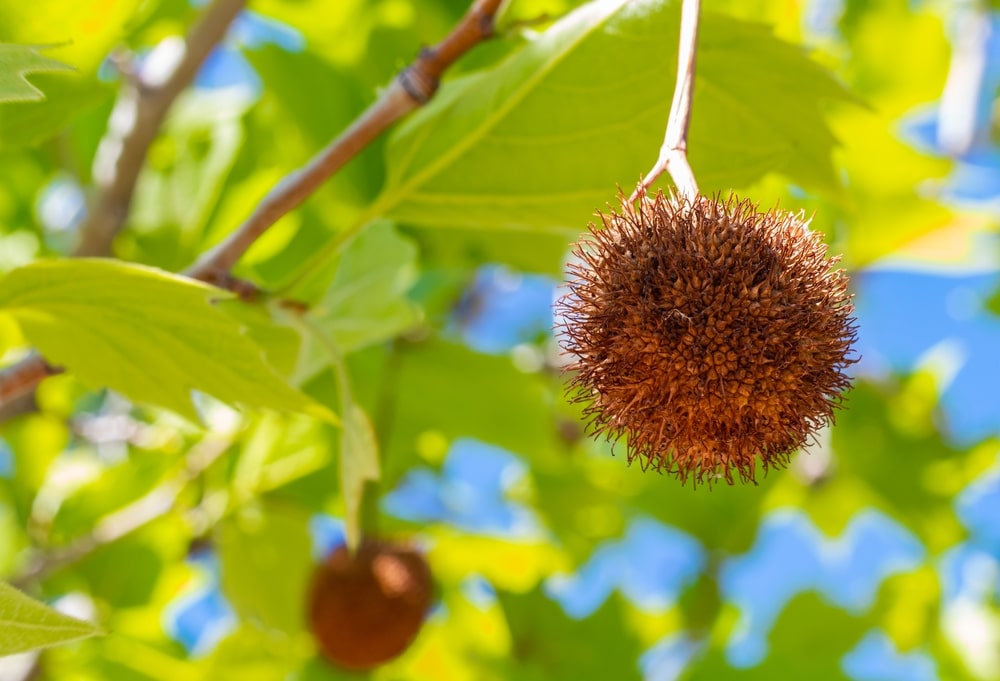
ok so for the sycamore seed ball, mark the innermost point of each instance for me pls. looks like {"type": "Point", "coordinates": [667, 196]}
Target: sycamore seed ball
{"type": "Point", "coordinates": [709, 335]}
{"type": "Point", "coordinates": [366, 609]}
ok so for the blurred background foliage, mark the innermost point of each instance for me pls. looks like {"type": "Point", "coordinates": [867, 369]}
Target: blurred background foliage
{"type": "Point", "coordinates": [873, 558]}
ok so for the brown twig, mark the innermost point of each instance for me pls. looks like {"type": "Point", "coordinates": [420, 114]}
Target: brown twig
{"type": "Point", "coordinates": [673, 153]}
{"type": "Point", "coordinates": [135, 122]}
{"type": "Point", "coordinates": [143, 107]}
{"type": "Point", "coordinates": [414, 87]}
{"type": "Point", "coordinates": [19, 378]}
{"type": "Point", "coordinates": [130, 518]}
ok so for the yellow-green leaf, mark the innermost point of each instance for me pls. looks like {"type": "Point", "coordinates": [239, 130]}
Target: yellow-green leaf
{"type": "Point", "coordinates": [16, 61]}
{"type": "Point", "coordinates": [151, 335]}
{"type": "Point", "coordinates": [26, 624]}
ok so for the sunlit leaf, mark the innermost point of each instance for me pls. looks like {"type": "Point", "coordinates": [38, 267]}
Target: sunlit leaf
{"type": "Point", "coordinates": [809, 641]}
{"type": "Point", "coordinates": [541, 140]}
{"type": "Point", "coordinates": [150, 335]}
{"type": "Point", "coordinates": [82, 33]}
{"type": "Point", "coordinates": [885, 442]}
{"type": "Point", "coordinates": [548, 645]}
{"type": "Point", "coordinates": [358, 465]}
{"type": "Point", "coordinates": [252, 653]}
{"type": "Point", "coordinates": [26, 624]}
{"type": "Point", "coordinates": [440, 391]}
{"type": "Point", "coordinates": [255, 546]}
{"type": "Point", "coordinates": [16, 62]}
{"type": "Point", "coordinates": [517, 566]}
{"type": "Point", "coordinates": [465, 639]}
{"type": "Point", "coordinates": [366, 301]}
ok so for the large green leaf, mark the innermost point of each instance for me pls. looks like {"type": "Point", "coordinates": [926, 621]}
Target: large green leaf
{"type": "Point", "coordinates": [366, 302]}
{"type": "Point", "coordinates": [26, 624]}
{"type": "Point", "coordinates": [454, 248]}
{"type": "Point", "coordinates": [82, 33]}
{"type": "Point", "coordinates": [541, 140]}
{"type": "Point", "coordinates": [150, 335]}
{"type": "Point", "coordinates": [809, 641]}
{"type": "Point", "coordinates": [16, 61]}
{"type": "Point", "coordinates": [885, 442]}
{"type": "Point", "coordinates": [26, 124]}
{"type": "Point", "coordinates": [265, 556]}
{"type": "Point", "coordinates": [443, 391]}
{"type": "Point", "coordinates": [251, 653]}
{"type": "Point", "coordinates": [547, 644]}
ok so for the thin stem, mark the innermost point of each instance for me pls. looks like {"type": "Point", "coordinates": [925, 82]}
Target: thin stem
{"type": "Point", "coordinates": [673, 153]}
{"type": "Point", "coordinates": [364, 518]}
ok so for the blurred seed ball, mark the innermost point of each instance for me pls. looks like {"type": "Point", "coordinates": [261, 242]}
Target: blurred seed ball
{"type": "Point", "coordinates": [366, 609]}
{"type": "Point", "coordinates": [706, 333]}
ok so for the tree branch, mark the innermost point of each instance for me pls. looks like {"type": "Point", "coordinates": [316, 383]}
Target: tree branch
{"type": "Point", "coordinates": [673, 153]}
{"type": "Point", "coordinates": [139, 112]}
{"type": "Point", "coordinates": [19, 378]}
{"type": "Point", "coordinates": [414, 87]}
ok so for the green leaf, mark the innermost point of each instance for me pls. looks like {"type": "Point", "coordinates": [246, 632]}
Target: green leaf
{"type": "Point", "coordinates": [148, 334]}
{"type": "Point", "coordinates": [444, 391]}
{"type": "Point", "coordinates": [992, 304]}
{"type": "Point", "coordinates": [266, 559]}
{"type": "Point", "coordinates": [82, 33]}
{"type": "Point", "coordinates": [250, 653]}
{"type": "Point", "coordinates": [884, 439]}
{"type": "Point", "coordinates": [35, 440]}
{"type": "Point", "coordinates": [809, 641]}
{"type": "Point", "coordinates": [541, 140]}
{"type": "Point", "coordinates": [549, 645]}
{"type": "Point", "coordinates": [888, 174]}
{"type": "Point", "coordinates": [26, 124]}
{"type": "Point", "coordinates": [16, 61]}
{"type": "Point", "coordinates": [187, 167]}
{"type": "Point", "coordinates": [358, 465]}
{"type": "Point", "coordinates": [366, 303]}
{"type": "Point", "coordinates": [457, 247]}
{"type": "Point", "coordinates": [26, 624]}
{"type": "Point", "coordinates": [120, 589]}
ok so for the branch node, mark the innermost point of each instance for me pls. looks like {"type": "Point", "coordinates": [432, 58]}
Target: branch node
{"type": "Point", "coordinates": [123, 60]}
{"type": "Point", "coordinates": [245, 290]}
{"type": "Point", "coordinates": [487, 23]}
{"type": "Point", "coordinates": [420, 85]}
{"type": "Point", "coordinates": [673, 153]}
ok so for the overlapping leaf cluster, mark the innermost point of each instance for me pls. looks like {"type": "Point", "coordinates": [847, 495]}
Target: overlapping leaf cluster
{"type": "Point", "coordinates": [248, 424]}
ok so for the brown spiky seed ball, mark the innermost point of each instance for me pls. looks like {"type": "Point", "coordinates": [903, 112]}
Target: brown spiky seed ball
{"type": "Point", "coordinates": [366, 609]}
{"type": "Point", "coordinates": [708, 334]}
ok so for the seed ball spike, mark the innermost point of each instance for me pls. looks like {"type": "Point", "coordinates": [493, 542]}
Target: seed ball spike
{"type": "Point", "coordinates": [707, 334]}
{"type": "Point", "coordinates": [365, 609]}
